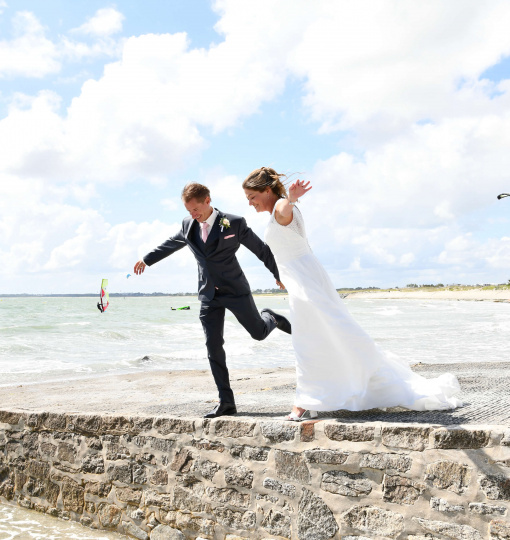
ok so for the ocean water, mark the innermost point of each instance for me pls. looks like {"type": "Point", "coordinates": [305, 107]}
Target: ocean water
{"type": "Point", "coordinates": [44, 339]}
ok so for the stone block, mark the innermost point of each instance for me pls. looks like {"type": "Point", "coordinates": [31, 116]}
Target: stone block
{"type": "Point", "coordinates": [115, 452]}
{"type": "Point", "coordinates": [93, 443]}
{"type": "Point", "coordinates": [133, 530]}
{"type": "Point", "coordinates": [410, 438]}
{"type": "Point", "coordinates": [20, 478]}
{"type": "Point", "coordinates": [116, 425]}
{"type": "Point", "coordinates": [90, 507]}
{"type": "Point", "coordinates": [120, 473]}
{"type": "Point", "coordinates": [233, 428]}
{"type": "Point", "coordinates": [38, 469]}
{"type": "Point", "coordinates": [291, 466]}
{"type": "Point", "coordinates": [164, 426]}
{"type": "Point", "coordinates": [73, 495]}
{"type": "Point", "coordinates": [139, 474]}
{"type": "Point", "coordinates": [401, 490]}
{"type": "Point", "coordinates": [164, 532]}
{"type": "Point", "coordinates": [442, 505]}
{"type": "Point", "coordinates": [349, 432]}
{"type": "Point", "coordinates": [315, 519]}
{"type": "Point", "coordinates": [66, 452]}
{"type": "Point", "coordinates": [277, 523]}
{"type": "Point", "coordinates": [48, 449]}
{"type": "Point", "coordinates": [374, 520]}
{"type": "Point", "coordinates": [251, 453]}
{"type": "Point", "coordinates": [307, 433]}
{"type": "Point", "coordinates": [505, 441]}
{"type": "Point", "coordinates": [449, 475]}
{"type": "Point", "coordinates": [277, 432]}
{"type": "Point", "coordinates": [228, 496]}
{"type": "Point", "coordinates": [161, 445]}
{"type": "Point", "coordinates": [327, 457]}
{"type": "Point", "coordinates": [30, 444]}
{"type": "Point", "coordinates": [33, 420]}
{"type": "Point", "coordinates": [128, 495]}
{"type": "Point", "coordinates": [93, 463]}
{"type": "Point", "coordinates": [9, 417]}
{"type": "Point", "coordinates": [233, 519]}
{"type": "Point", "coordinates": [450, 530]}
{"type": "Point", "coordinates": [495, 487]}
{"type": "Point", "coordinates": [188, 500]}
{"type": "Point", "coordinates": [183, 460]}
{"type": "Point", "coordinates": [288, 490]}
{"type": "Point", "coordinates": [84, 423]}
{"type": "Point", "coordinates": [487, 509]}
{"type": "Point", "coordinates": [109, 515]}
{"type": "Point", "coordinates": [86, 521]}
{"type": "Point", "coordinates": [159, 478]}
{"type": "Point", "coordinates": [98, 489]}
{"type": "Point", "coordinates": [54, 421]}
{"type": "Point", "coordinates": [206, 468]}
{"type": "Point", "coordinates": [141, 424]}
{"type": "Point", "coordinates": [195, 524]}
{"type": "Point", "coordinates": [239, 475]}
{"type": "Point", "coordinates": [205, 444]}
{"type": "Point", "coordinates": [386, 462]}
{"type": "Point", "coordinates": [499, 529]}
{"type": "Point", "coordinates": [450, 438]}
{"type": "Point", "coordinates": [343, 483]}
{"type": "Point", "coordinates": [161, 500]}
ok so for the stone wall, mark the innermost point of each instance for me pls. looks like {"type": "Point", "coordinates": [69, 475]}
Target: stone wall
{"type": "Point", "coordinates": [231, 478]}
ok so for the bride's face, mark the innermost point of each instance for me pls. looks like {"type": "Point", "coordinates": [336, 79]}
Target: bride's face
{"type": "Point", "coordinates": [259, 200]}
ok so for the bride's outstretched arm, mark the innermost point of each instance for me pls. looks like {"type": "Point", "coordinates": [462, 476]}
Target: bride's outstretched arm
{"type": "Point", "coordinates": [284, 207]}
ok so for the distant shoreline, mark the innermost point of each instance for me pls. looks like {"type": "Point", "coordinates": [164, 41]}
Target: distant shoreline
{"type": "Point", "coordinates": [474, 294]}
{"type": "Point", "coordinates": [499, 293]}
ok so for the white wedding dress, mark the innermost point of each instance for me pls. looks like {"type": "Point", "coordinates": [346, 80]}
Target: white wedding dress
{"type": "Point", "coordinates": [338, 364]}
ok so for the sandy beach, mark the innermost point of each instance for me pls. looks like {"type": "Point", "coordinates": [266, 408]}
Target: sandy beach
{"type": "Point", "coordinates": [494, 295]}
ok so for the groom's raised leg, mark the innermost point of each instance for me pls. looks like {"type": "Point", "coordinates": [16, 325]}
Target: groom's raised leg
{"type": "Point", "coordinates": [259, 325]}
{"type": "Point", "coordinates": [212, 318]}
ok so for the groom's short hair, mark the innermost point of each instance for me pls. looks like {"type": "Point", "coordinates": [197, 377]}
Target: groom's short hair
{"type": "Point", "coordinates": [196, 191]}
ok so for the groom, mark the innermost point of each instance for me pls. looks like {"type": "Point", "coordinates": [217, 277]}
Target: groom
{"type": "Point", "coordinates": [214, 238]}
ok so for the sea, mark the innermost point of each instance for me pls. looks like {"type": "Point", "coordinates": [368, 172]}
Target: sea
{"type": "Point", "coordinates": [54, 338]}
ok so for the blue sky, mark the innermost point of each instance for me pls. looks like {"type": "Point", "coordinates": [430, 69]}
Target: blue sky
{"type": "Point", "coordinates": [396, 112]}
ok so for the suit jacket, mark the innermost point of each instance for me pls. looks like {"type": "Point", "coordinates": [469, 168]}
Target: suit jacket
{"type": "Point", "coordinates": [218, 266]}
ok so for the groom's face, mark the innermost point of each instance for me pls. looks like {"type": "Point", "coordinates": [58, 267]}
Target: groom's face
{"type": "Point", "coordinates": [199, 210]}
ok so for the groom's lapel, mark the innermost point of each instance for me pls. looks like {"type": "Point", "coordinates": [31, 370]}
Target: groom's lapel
{"type": "Point", "coordinates": [215, 230]}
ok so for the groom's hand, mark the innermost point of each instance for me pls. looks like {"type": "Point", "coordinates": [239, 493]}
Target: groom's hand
{"type": "Point", "coordinates": [281, 285]}
{"type": "Point", "coordinates": [139, 267]}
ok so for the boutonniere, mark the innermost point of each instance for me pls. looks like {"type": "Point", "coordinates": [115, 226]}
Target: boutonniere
{"type": "Point", "coordinates": [224, 222]}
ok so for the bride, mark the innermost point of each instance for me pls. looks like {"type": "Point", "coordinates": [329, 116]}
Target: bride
{"type": "Point", "coordinates": [338, 365]}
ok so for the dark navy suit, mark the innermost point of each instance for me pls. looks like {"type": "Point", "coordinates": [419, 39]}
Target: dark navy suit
{"type": "Point", "coordinates": [222, 284]}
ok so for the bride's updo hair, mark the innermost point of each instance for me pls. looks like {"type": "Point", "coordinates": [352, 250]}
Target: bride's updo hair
{"type": "Point", "coordinates": [260, 179]}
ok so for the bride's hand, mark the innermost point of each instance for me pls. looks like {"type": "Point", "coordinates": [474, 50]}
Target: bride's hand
{"type": "Point", "coordinates": [298, 189]}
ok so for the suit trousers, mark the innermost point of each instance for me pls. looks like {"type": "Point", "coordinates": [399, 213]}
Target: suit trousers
{"type": "Point", "coordinates": [212, 317]}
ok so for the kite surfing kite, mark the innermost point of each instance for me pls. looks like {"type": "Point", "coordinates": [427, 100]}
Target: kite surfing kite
{"type": "Point", "coordinates": [180, 308]}
{"type": "Point", "coordinates": [503, 195]}
{"type": "Point", "coordinates": [104, 297]}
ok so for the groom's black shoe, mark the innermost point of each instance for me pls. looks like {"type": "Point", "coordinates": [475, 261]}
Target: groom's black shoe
{"type": "Point", "coordinates": [222, 409]}
{"type": "Point", "coordinates": [281, 322]}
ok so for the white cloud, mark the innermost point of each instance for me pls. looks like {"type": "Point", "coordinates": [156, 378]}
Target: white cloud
{"type": "Point", "coordinates": [30, 53]}
{"type": "Point", "coordinates": [105, 22]}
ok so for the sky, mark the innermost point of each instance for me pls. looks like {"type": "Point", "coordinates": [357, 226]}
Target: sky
{"type": "Point", "coordinates": [396, 111]}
